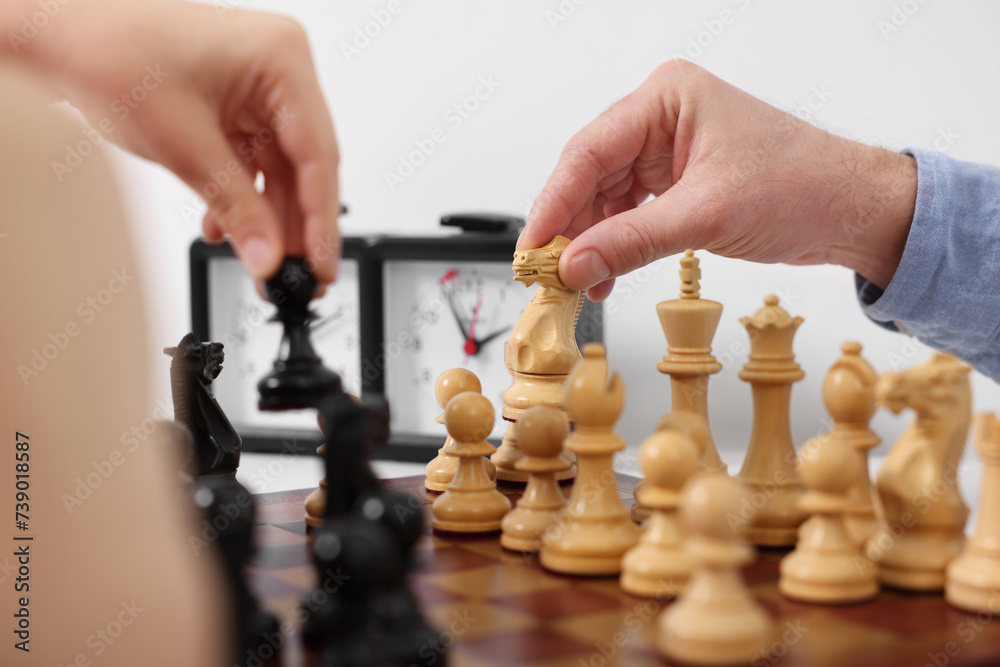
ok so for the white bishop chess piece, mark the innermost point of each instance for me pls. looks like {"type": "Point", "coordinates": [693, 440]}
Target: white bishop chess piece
{"type": "Point", "coordinates": [596, 531]}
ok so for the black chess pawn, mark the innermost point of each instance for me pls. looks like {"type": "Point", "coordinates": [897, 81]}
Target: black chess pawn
{"type": "Point", "coordinates": [364, 547]}
{"type": "Point", "coordinates": [195, 365]}
{"type": "Point", "coordinates": [409, 638]}
{"type": "Point", "coordinates": [354, 557]}
{"type": "Point", "coordinates": [299, 378]}
{"type": "Point", "coordinates": [229, 509]}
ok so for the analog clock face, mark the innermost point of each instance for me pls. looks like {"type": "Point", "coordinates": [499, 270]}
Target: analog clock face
{"type": "Point", "coordinates": [441, 315]}
{"type": "Point", "coordinates": [240, 320]}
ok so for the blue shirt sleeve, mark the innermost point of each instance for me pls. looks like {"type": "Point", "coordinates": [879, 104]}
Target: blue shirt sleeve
{"type": "Point", "coordinates": [946, 291]}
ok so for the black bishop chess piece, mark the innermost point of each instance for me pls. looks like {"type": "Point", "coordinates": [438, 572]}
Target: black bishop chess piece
{"type": "Point", "coordinates": [299, 379]}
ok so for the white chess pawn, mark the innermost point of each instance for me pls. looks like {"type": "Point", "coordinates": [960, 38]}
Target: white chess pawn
{"type": "Point", "coordinates": [693, 426]}
{"type": "Point", "coordinates": [659, 565]}
{"type": "Point", "coordinates": [540, 433]}
{"type": "Point", "coordinates": [471, 502]}
{"type": "Point", "coordinates": [715, 621]}
{"type": "Point", "coordinates": [827, 566]}
{"type": "Point", "coordinates": [441, 469]}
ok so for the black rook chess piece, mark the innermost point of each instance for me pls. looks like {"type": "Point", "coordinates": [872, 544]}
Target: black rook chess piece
{"type": "Point", "coordinates": [299, 378]}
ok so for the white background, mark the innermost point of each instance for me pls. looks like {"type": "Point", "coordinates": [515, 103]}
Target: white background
{"type": "Point", "coordinates": [938, 74]}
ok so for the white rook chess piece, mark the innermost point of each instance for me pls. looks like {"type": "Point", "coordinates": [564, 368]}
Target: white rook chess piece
{"type": "Point", "coordinates": [715, 621]}
{"type": "Point", "coordinates": [826, 565]}
{"type": "Point", "coordinates": [659, 565]}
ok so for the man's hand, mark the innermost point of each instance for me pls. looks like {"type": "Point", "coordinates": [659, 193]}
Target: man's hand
{"type": "Point", "coordinates": [216, 95]}
{"type": "Point", "coordinates": [728, 173]}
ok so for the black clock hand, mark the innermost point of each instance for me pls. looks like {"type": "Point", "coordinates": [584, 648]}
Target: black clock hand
{"type": "Point", "coordinates": [496, 334]}
{"type": "Point", "coordinates": [329, 319]}
{"type": "Point", "coordinates": [449, 297]}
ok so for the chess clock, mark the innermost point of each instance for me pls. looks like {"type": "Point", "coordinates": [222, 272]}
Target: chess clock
{"type": "Point", "coordinates": [226, 308]}
{"type": "Point", "coordinates": [404, 309]}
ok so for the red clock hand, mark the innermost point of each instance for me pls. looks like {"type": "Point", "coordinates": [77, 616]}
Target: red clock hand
{"type": "Point", "coordinates": [470, 346]}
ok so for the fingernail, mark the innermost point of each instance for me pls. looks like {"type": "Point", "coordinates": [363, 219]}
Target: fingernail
{"type": "Point", "coordinates": [585, 269]}
{"type": "Point", "coordinates": [256, 255]}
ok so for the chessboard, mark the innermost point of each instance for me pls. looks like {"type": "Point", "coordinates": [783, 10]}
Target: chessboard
{"type": "Point", "coordinates": [494, 607]}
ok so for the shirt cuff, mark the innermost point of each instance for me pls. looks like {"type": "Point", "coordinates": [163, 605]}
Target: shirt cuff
{"type": "Point", "coordinates": [946, 290]}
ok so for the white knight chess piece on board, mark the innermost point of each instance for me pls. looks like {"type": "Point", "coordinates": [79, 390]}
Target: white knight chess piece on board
{"type": "Point", "coordinates": [924, 523]}
{"type": "Point", "coordinates": [542, 349]}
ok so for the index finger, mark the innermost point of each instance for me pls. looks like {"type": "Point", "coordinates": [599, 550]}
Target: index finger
{"type": "Point", "coordinates": [605, 147]}
{"type": "Point", "coordinates": [309, 142]}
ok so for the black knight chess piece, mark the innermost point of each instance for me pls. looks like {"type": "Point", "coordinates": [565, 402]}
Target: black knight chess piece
{"type": "Point", "coordinates": [299, 378]}
{"type": "Point", "coordinates": [216, 443]}
{"type": "Point", "coordinates": [227, 508]}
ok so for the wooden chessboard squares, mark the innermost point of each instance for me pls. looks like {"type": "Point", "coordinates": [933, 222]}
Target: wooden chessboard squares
{"type": "Point", "coordinates": [281, 555]}
{"type": "Point", "coordinates": [494, 581]}
{"type": "Point", "coordinates": [452, 559]}
{"type": "Point", "coordinates": [273, 535]}
{"type": "Point", "coordinates": [529, 617]}
{"type": "Point", "coordinates": [558, 603]}
{"type": "Point", "coordinates": [526, 646]}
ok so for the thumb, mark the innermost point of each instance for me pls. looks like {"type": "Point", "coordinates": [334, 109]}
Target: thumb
{"type": "Point", "coordinates": [630, 240]}
{"type": "Point", "coordinates": [202, 157]}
